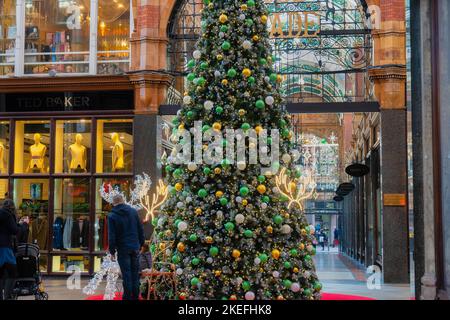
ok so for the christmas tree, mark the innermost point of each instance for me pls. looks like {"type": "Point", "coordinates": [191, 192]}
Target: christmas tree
{"type": "Point", "coordinates": [227, 228]}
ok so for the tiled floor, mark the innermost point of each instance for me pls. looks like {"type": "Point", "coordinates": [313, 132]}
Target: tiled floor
{"type": "Point", "coordinates": [337, 275]}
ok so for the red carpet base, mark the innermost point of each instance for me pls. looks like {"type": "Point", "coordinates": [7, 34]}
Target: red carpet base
{"type": "Point", "coordinates": [325, 297]}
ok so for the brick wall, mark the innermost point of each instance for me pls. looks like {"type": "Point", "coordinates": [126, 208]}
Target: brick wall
{"type": "Point", "coordinates": [148, 16]}
{"type": "Point", "coordinates": [392, 10]}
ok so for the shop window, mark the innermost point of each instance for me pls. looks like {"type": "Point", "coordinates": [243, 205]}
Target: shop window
{"type": "Point", "coordinates": [31, 149]}
{"type": "Point", "coordinates": [57, 36]}
{"type": "Point", "coordinates": [70, 263]}
{"type": "Point", "coordinates": [113, 44]}
{"type": "Point", "coordinates": [3, 189]}
{"type": "Point", "coordinates": [102, 209]}
{"type": "Point", "coordinates": [72, 146]}
{"type": "Point", "coordinates": [43, 263]}
{"type": "Point", "coordinates": [4, 147]}
{"type": "Point", "coordinates": [71, 215]}
{"type": "Point", "coordinates": [31, 199]}
{"type": "Point", "coordinates": [8, 33]}
{"type": "Point", "coordinates": [114, 146]}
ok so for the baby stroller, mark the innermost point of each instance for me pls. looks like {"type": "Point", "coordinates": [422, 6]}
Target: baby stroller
{"type": "Point", "coordinates": [28, 281]}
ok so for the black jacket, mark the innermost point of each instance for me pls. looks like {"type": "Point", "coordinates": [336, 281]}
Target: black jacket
{"type": "Point", "coordinates": [125, 230]}
{"type": "Point", "coordinates": [8, 228]}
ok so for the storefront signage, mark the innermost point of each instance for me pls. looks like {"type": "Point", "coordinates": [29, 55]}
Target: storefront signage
{"type": "Point", "coordinates": [357, 170]}
{"type": "Point", "coordinates": [67, 101]}
{"type": "Point", "coordinates": [395, 200]}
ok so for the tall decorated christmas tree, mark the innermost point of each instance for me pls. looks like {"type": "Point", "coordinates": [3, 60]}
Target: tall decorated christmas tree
{"type": "Point", "coordinates": [231, 230]}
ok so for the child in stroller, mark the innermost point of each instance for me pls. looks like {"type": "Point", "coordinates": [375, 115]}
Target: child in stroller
{"type": "Point", "coordinates": [28, 281]}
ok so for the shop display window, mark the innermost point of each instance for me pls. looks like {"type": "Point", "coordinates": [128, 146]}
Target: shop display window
{"type": "Point", "coordinates": [102, 209]}
{"type": "Point", "coordinates": [4, 147]}
{"type": "Point", "coordinates": [31, 149]}
{"type": "Point", "coordinates": [114, 146]}
{"type": "Point", "coordinates": [3, 189]}
{"type": "Point", "coordinates": [72, 146]}
{"type": "Point", "coordinates": [70, 263]}
{"type": "Point", "coordinates": [31, 198]}
{"type": "Point", "coordinates": [43, 263]}
{"type": "Point", "coordinates": [71, 224]}
{"type": "Point", "coordinates": [8, 33]}
{"type": "Point", "coordinates": [57, 36]}
{"type": "Point", "coordinates": [113, 41]}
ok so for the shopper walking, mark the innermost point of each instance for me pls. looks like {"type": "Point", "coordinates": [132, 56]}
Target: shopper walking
{"type": "Point", "coordinates": [126, 237]}
{"type": "Point", "coordinates": [8, 231]}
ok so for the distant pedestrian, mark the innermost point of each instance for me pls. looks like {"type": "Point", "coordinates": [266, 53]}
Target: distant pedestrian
{"type": "Point", "coordinates": [145, 258]}
{"type": "Point", "coordinates": [8, 264]}
{"type": "Point", "coordinates": [126, 237]}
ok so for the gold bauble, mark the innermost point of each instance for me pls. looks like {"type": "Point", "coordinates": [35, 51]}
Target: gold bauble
{"type": "Point", "coordinates": [255, 38]}
{"type": "Point", "coordinates": [225, 82]}
{"type": "Point", "coordinates": [178, 187]}
{"type": "Point", "coordinates": [261, 189]}
{"type": "Point", "coordinates": [205, 147]}
{"type": "Point", "coordinates": [233, 297]}
{"type": "Point", "coordinates": [217, 273]}
{"type": "Point", "coordinates": [295, 270]}
{"type": "Point", "coordinates": [276, 254]}
{"type": "Point", "coordinates": [162, 246]}
{"type": "Point", "coordinates": [304, 233]}
{"type": "Point", "coordinates": [217, 126]}
{"type": "Point", "coordinates": [223, 18]}
{"type": "Point", "coordinates": [293, 186]}
{"type": "Point", "coordinates": [246, 72]}
{"type": "Point", "coordinates": [219, 194]}
{"type": "Point", "coordinates": [219, 57]}
{"type": "Point", "coordinates": [209, 240]}
{"type": "Point", "coordinates": [258, 129]}
{"type": "Point", "coordinates": [301, 246]}
{"type": "Point", "coordinates": [244, 7]}
{"type": "Point", "coordinates": [181, 247]}
{"type": "Point", "coordinates": [279, 79]}
{"type": "Point", "coordinates": [269, 229]}
{"type": "Point", "coordinates": [217, 171]}
{"type": "Point", "coordinates": [280, 298]}
{"type": "Point", "coordinates": [236, 253]}
{"type": "Point", "coordinates": [264, 19]}
{"type": "Point", "coordinates": [198, 211]}
{"type": "Point", "coordinates": [181, 127]}
{"type": "Point", "coordinates": [242, 112]}
{"type": "Point", "coordinates": [244, 202]}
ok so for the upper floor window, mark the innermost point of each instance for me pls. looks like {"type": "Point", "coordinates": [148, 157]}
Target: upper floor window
{"type": "Point", "coordinates": [64, 37]}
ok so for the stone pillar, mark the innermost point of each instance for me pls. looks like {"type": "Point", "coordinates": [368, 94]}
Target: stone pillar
{"type": "Point", "coordinates": [389, 77]}
{"type": "Point", "coordinates": [151, 81]}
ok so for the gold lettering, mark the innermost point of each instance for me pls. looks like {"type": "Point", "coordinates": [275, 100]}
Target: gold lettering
{"type": "Point", "coordinates": [310, 23]}
{"type": "Point", "coordinates": [277, 27]}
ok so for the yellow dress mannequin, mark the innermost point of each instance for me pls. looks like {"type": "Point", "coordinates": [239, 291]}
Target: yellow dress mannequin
{"type": "Point", "coordinates": [78, 155]}
{"type": "Point", "coordinates": [37, 153]}
{"type": "Point", "coordinates": [2, 158]}
{"type": "Point", "coordinates": [118, 162]}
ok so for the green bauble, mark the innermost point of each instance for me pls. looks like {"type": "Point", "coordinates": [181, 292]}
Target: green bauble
{"type": "Point", "coordinates": [278, 219]}
{"type": "Point", "coordinates": [214, 251]}
{"type": "Point", "coordinates": [263, 257]}
{"type": "Point", "coordinates": [245, 126]}
{"type": "Point", "coordinates": [206, 170]}
{"type": "Point", "coordinates": [246, 285]}
{"type": "Point", "coordinates": [191, 64]}
{"type": "Point", "coordinates": [248, 233]}
{"type": "Point", "coordinates": [176, 259]}
{"type": "Point", "coordinates": [193, 237]}
{"type": "Point", "coordinates": [204, 65]}
{"type": "Point", "coordinates": [307, 292]}
{"type": "Point", "coordinates": [287, 283]}
{"type": "Point", "coordinates": [229, 226]}
{"type": "Point", "coordinates": [244, 191]}
{"type": "Point", "coordinates": [223, 201]}
{"type": "Point", "coordinates": [317, 286]}
{"type": "Point", "coordinates": [261, 179]}
{"type": "Point", "coordinates": [191, 77]}
{"type": "Point", "coordinates": [251, 3]}
{"type": "Point", "coordinates": [265, 199]}
{"type": "Point", "coordinates": [201, 81]}
{"type": "Point", "coordinates": [226, 46]}
{"type": "Point", "coordinates": [251, 80]}
{"type": "Point", "coordinates": [202, 193]}
{"type": "Point", "coordinates": [219, 110]}
{"type": "Point", "coordinates": [273, 77]}
{"type": "Point", "coordinates": [224, 28]}
{"type": "Point", "coordinates": [195, 261]}
{"type": "Point", "coordinates": [195, 281]}
{"type": "Point", "coordinates": [294, 252]}
{"type": "Point", "coordinates": [232, 73]}
{"type": "Point", "coordinates": [287, 265]}
{"type": "Point", "coordinates": [260, 104]}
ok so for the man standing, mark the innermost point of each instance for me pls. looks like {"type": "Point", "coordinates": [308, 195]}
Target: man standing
{"type": "Point", "coordinates": [126, 236]}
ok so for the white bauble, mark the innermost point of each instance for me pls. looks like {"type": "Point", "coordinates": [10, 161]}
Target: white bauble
{"type": "Point", "coordinates": [209, 260]}
{"type": "Point", "coordinates": [264, 206]}
{"type": "Point", "coordinates": [309, 248]}
{"type": "Point", "coordinates": [187, 100]}
{"type": "Point", "coordinates": [219, 214]}
{"type": "Point", "coordinates": [242, 17]}
{"type": "Point", "coordinates": [179, 271]}
{"type": "Point", "coordinates": [192, 166]}
{"type": "Point", "coordinates": [295, 287]}
{"type": "Point", "coordinates": [180, 205]}
{"type": "Point", "coordinates": [239, 218]}
{"type": "Point", "coordinates": [168, 252]}
{"type": "Point", "coordinates": [250, 295]}
{"type": "Point", "coordinates": [275, 190]}
{"type": "Point", "coordinates": [295, 155]}
{"type": "Point", "coordinates": [238, 199]}
{"type": "Point", "coordinates": [197, 54]}
{"type": "Point", "coordinates": [241, 165]}
{"type": "Point", "coordinates": [275, 274]}
{"type": "Point", "coordinates": [286, 229]}
{"type": "Point", "coordinates": [221, 34]}
{"type": "Point", "coordinates": [208, 105]}
{"type": "Point", "coordinates": [239, 280]}
{"type": "Point", "coordinates": [267, 79]}
{"type": "Point", "coordinates": [247, 45]}
{"type": "Point", "coordinates": [286, 158]}
{"type": "Point", "coordinates": [270, 100]}
{"type": "Point", "coordinates": [182, 226]}
{"type": "Point", "coordinates": [264, 149]}
{"type": "Point", "coordinates": [217, 74]}
{"type": "Point", "coordinates": [257, 261]}
{"type": "Point", "coordinates": [160, 222]}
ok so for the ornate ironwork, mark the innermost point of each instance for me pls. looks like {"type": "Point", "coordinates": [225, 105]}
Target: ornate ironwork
{"type": "Point", "coordinates": [329, 67]}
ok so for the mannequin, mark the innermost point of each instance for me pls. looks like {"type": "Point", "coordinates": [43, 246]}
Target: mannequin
{"type": "Point", "coordinates": [78, 154]}
{"type": "Point", "coordinates": [37, 152]}
{"type": "Point", "coordinates": [2, 158]}
{"type": "Point", "coordinates": [118, 162]}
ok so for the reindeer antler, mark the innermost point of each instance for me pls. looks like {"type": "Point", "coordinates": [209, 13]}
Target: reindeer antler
{"type": "Point", "coordinates": [159, 197]}
{"type": "Point", "coordinates": [297, 190]}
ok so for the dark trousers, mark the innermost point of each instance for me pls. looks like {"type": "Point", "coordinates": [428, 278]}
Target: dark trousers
{"type": "Point", "coordinates": [129, 266]}
{"type": "Point", "coordinates": [8, 274]}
